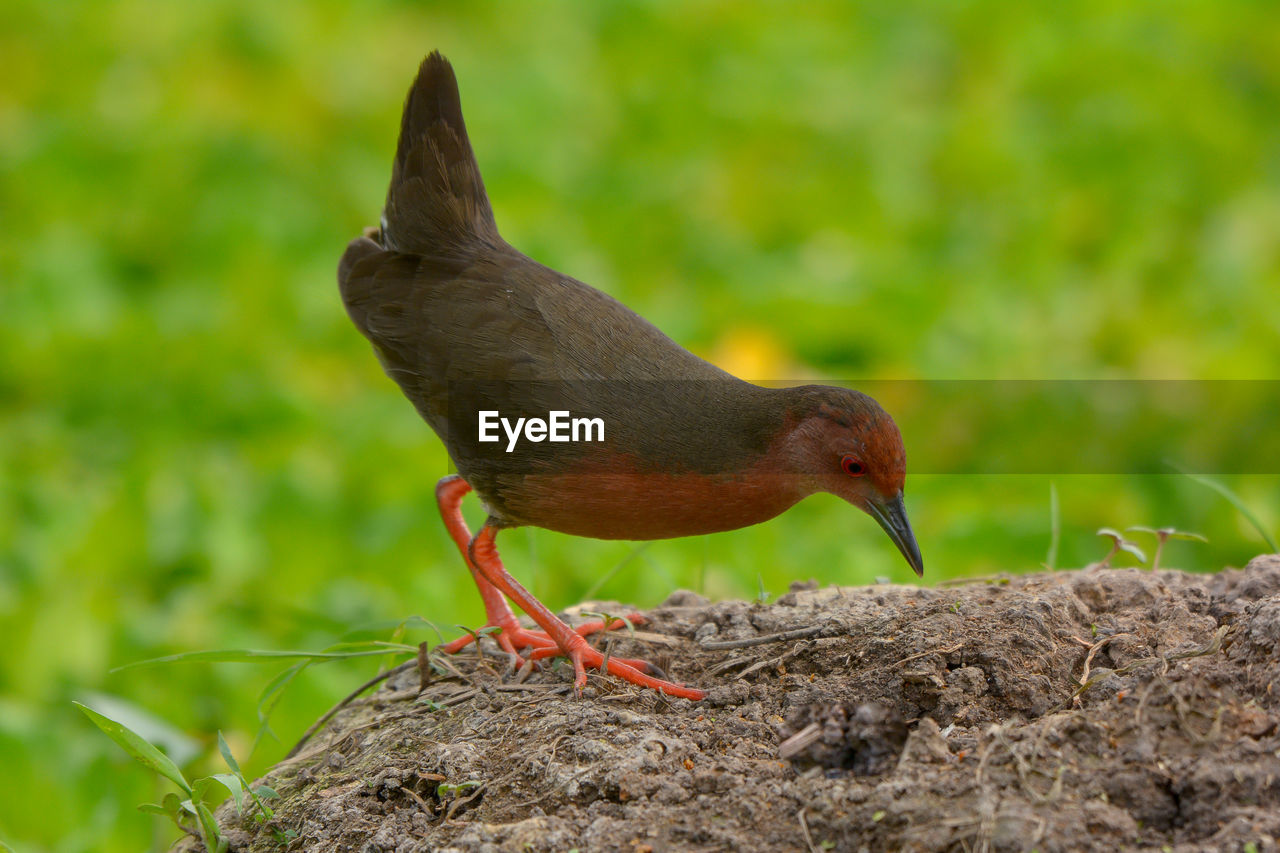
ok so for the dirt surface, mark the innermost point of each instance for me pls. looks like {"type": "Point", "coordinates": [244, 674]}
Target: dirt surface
{"type": "Point", "coordinates": [919, 719]}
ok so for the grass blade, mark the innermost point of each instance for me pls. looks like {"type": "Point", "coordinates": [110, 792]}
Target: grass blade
{"type": "Point", "coordinates": [337, 652]}
{"type": "Point", "coordinates": [140, 749]}
{"type": "Point", "coordinates": [609, 575]}
{"type": "Point", "coordinates": [1234, 500]}
{"type": "Point", "coordinates": [1055, 527]}
{"type": "Point", "coordinates": [269, 698]}
{"type": "Point", "coordinates": [210, 832]}
{"type": "Point", "coordinates": [226, 753]}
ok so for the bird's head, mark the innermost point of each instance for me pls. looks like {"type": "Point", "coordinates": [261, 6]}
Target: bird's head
{"type": "Point", "coordinates": [842, 442]}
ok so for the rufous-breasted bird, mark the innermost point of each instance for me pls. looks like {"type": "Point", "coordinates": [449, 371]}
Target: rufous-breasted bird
{"type": "Point", "coordinates": [466, 324]}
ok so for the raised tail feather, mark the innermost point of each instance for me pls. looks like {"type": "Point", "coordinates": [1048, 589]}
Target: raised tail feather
{"type": "Point", "coordinates": [436, 204]}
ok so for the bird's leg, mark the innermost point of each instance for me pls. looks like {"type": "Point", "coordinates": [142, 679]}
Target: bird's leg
{"type": "Point", "coordinates": [511, 637]}
{"type": "Point", "coordinates": [484, 558]}
{"type": "Point", "coordinates": [449, 494]}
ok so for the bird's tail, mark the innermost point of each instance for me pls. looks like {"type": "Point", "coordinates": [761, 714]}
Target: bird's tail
{"type": "Point", "coordinates": [436, 204]}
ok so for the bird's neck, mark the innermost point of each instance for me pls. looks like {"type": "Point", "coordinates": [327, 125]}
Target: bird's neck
{"type": "Point", "coordinates": [786, 457]}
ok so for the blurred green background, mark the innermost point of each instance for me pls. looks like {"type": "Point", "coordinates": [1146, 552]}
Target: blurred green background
{"type": "Point", "coordinates": [198, 451]}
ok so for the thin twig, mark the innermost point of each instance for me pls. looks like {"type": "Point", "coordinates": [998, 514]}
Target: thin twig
{"type": "Point", "coordinates": [347, 735]}
{"type": "Point", "coordinates": [804, 827]}
{"type": "Point", "coordinates": [728, 665]}
{"type": "Point", "coordinates": [1213, 646]}
{"type": "Point", "coordinates": [778, 661]}
{"type": "Point", "coordinates": [445, 662]}
{"type": "Point", "coordinates": [797, 634]}
{"type": "Point", "coordinates": [799, 741]}
{"type": "Point", "coordinates": [425, 808]}
{"type": "Point", "coordinates": [377, 679]}
{"type": "Point", "coordinates": [424, 667]}
{"type": "Point", "coordinates": [957, 647]}
{"type": "Point", "coordinates": [459, 698]}
{"type": "Point", "coordinates": [1001, 580]}
{"type": "Point", "coordinates": [531, 688]}
{"type": "Point", "coordinates": [1088, 662]}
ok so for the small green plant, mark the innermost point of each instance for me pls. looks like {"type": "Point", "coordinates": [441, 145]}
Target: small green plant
{"type": "Point", "coordinates": [450, 791]}
{"type": "Point", "coordinates": [260, 811]}
{"type": "Point", "coordinates": [193, 814]}
{"type": "Point", "coordinates": [955, 607]}
{"type": "Point", "coordinates": [1164, 534]}
{"type": "Point", "coordinates": [1118, 544]}
{"type": "Point", "coordinates": [607, 619]}
{"type": "Point", "coordinates": [762, 594]}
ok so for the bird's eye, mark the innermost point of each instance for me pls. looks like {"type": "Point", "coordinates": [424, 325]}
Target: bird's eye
{"type": "Point", "coordinates": [852, 466]}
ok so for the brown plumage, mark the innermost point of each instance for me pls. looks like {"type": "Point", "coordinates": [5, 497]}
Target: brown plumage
{"type": "Point", "coordinates": [463, 323]}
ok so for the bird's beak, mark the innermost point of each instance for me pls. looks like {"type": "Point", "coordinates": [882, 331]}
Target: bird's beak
{"type": "Point", "coordinates": [892, 515]}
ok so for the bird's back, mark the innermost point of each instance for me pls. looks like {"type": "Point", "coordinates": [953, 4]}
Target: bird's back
{"type": "Point", "coordinates": [463, 323]}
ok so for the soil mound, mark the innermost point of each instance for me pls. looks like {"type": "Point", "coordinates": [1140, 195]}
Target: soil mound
{"type": "Point", "coordinates": [1086, 710]}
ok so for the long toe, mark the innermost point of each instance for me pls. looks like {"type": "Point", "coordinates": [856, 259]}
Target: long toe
{"type": "Point", "coordinates": [510, 639]}
{"type": "Point", "coordinates": [624, 668]}
{"type": "Point", "coordinates": [637, 663]}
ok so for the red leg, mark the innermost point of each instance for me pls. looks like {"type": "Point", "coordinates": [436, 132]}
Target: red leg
{"type": "Point", "coordinates": [510, 637]}
{"type": "Point", "coordinates": [485, 561]}
{"type": "Point", "coordinates": [449, 494]}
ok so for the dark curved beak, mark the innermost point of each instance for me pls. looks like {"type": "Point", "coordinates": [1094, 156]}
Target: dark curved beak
{"type": "Point", "coordinates": [892, 515]}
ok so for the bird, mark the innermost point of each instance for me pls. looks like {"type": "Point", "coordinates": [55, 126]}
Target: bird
{"type": "Point", "coordinates": [467, 325]}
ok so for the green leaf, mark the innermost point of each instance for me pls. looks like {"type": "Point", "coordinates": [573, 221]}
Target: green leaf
{"type": "Point", "coordinates": [226, 753]}
{"type": "Point", "coordinates": [1130, 548]}
{"type": "Point", "coordinates": [1167, 533]}
{"type": "Point", "coordinates": [160, 733]}
{"type": "Point", "coordinates": [153, 808]}
{"type": "Point", "coordinates": [200, 788]}
{"type": "Point", "coordinates": [140, 749]}
{"type": "Point", "coordinates": [268, 793]}
{"type": "Point", "coordinates": [172, 805]}
{"type": "Point", "coordinates": [232, 783]}
{"type": "Point", "coordinates": [210, 832]}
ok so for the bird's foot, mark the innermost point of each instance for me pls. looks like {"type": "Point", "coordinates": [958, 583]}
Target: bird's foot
{"type": "Point", "coordinates": [511, 637]}
{"type": "Point", "coordinates": [636, 671]}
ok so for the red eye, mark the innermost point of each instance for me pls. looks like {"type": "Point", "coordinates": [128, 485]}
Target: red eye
{"type": "Point", "coordinates": [852, 466]}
